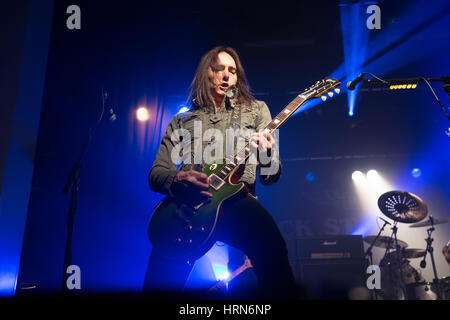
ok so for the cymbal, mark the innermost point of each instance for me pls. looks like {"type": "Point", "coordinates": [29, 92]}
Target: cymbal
{"type": "Point", "coordinates": [402, 206]}
{"type": "Point", "coordinates": [384, 242]}
{"type": "Point", "coordinates": [406, 254]}
{"type": "Point", "coordinates": [428, 223]}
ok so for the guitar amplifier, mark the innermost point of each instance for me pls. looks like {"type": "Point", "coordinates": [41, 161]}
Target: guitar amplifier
{"type": "Point", "coordinates": [330, 266]}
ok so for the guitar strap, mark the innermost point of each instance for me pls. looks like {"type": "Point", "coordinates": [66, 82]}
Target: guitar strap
{"type": "Point", "coordinates": [235, 121]}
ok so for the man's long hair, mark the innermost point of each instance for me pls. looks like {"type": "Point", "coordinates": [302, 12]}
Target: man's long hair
{"type": "Point", "coordinates": [200, 94]}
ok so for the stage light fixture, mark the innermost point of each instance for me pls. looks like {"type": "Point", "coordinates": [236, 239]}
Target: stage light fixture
{"type": "Point", "coordinates": [310, 176]}
{"type": "Point", "coordinates": [142, 114]}
{"type": "Point", "coordinates": [416, 173]}
{"type": "Point", "coordinates": [358, 176]}
{"type": "Point", "coordinates": [372, 175]}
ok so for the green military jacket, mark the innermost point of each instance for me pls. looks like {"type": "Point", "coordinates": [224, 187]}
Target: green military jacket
{"type": "Point", "coordinates": [255, 116]}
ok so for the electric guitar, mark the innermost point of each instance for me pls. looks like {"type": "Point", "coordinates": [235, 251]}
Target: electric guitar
{"type": "Point", "coordinates": [247, 264]}
{"type": "Point", "coordinates": [184, 230]}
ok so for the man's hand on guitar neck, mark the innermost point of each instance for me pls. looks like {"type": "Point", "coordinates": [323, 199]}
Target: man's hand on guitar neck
{"type": "Point", "coordinates": [191, 185]}
{"type": "Point", "coordinates": [263, 142]}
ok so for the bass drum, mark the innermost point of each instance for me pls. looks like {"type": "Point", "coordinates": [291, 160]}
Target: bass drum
{"type": "Point", "coordinates": [444, 283]}
{"type": "Point", "coordinates": [415, 285]}
{"type": "Point", "coordinates": [421, 291]}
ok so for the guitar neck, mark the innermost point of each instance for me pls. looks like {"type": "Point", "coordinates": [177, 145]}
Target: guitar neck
{"type": "Point", "coordinates": [237, 272]}
{"type": "Point", "coordinates": [286, 113]}
{"type": "Point", "coordinates": [320, 88]}
{"type": "Point", "coordinates": [276, 122]}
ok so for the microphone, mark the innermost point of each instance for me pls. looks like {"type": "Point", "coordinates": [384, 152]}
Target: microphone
{"type": "Point", "coordinates": [385, 221]}
{"type": "Point", "coordinates": [423, 264]}
{"type": "Point", "coordinates": [352, 84]}
{"type": "Point", "coordinates": [232, 92]}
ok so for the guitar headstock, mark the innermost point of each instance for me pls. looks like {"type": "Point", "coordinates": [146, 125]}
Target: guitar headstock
{"type": "Point", "coordinates": [247, 263]}
{"type": "Point", "coordinates": [320, 88]}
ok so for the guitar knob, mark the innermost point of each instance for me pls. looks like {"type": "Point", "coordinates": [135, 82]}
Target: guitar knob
{"type": "Point", "coordinates": [179, 240]}
{"type": "Point", "coordinates": [330, 94]}
{"type": "Point", "coordinates": [337, 90]}
{"type": "Point", "coordinates": [323, 98]}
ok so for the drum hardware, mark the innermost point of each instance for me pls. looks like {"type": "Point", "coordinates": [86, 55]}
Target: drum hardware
{"type": "Point", "coordinates": [429, 249]}
{"type": "Point", "coordinates": [369, 250]}
{"type": "Point", "coordinates": [403, 207]}
{"type": "Point", "coordinates": [384, 242]}
{"type": "Point", "coordinates": [397, 248]}
{"type": "Point", "coordinates": [406, 254]}
{"type": "Point", "coordinates": [428, 223]}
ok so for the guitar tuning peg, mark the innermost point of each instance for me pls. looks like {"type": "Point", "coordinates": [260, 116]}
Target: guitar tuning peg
{"type": "Point", "coordinates": [323, 98]}
{"type": "Point", "coordinates": [337, 90]}
{"type": "Point", "coordinates": [330, 94]}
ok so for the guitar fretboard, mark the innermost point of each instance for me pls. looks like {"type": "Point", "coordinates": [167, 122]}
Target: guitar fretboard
{"type": "Point", "coordinates": [276, 122]}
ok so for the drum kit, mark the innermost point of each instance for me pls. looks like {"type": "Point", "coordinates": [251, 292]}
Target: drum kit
{"type": "Point", "coordinates": [399, 280]}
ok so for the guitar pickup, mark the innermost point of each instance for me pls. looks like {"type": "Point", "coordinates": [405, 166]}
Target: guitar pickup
{"type": "Point", "coordinates": [216, 182]}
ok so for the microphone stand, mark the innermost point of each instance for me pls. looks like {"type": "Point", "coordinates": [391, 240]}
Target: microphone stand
{"type": "Point", "coordinates": [72, 183]}
{"type": "Point", "coordinates": [370, 254]}
{"type": "Point", "coordinates": [443, 79]}
{"type": "Point", "coordinates": [429, 249]}
{"type": "Point", "coordinates": [399, 261]}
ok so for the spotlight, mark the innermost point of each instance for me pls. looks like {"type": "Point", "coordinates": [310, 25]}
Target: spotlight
{"type": "Point", "coordinates": [142, 114]}
{"type": "Point", "coordinates": [221, 272]}
{"type": "Point", "coordinates": [416, 172]}
{"type": "Point", "coordinates": [358, 176]}
{"type": "Point", "coordinates": [350, 113]}
{"type": "Point", "coordinates": [310, 176]}
{"type": "Point", "coordinates": [224, 276]}
{"type": "Point", "coordinates": [183, 109]}
{"type": "Point", "coordinates": [372, 175]}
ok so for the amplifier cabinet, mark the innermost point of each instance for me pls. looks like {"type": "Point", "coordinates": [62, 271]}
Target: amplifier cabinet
{"type": "Point", "coordinates": [329, 266]}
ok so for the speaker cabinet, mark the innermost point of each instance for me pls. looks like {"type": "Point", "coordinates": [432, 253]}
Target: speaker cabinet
{"type": "Point", "coordinates": [330, 267]}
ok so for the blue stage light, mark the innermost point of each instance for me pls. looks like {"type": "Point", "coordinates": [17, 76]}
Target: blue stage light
{"type": "Point", "coordinates": [221, 272]}
{"type": "Point", "coordinates": [355, 38]}
{"type": "Point", "coordinates": [416, 173]}
{"type": "Point", "coordinates": [310, 176]}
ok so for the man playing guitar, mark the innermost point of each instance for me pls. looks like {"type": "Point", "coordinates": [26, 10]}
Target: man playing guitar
{"type": "Point", "coordinates": [244, 223]}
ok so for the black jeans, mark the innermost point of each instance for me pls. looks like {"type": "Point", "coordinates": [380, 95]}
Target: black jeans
{"type": "Point", "coordinates": [245, 225]}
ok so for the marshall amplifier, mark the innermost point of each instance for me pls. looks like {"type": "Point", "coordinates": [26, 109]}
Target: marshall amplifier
{"type": "Point", "coordinates": [330, 266]}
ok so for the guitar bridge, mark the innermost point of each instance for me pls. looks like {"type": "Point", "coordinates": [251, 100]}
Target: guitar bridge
{"type": "Point", "coordinates": [216, 182]}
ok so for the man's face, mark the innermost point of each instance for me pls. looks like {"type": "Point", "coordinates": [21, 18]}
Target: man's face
{"type": "Point", "coordinates": [222, 75]}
